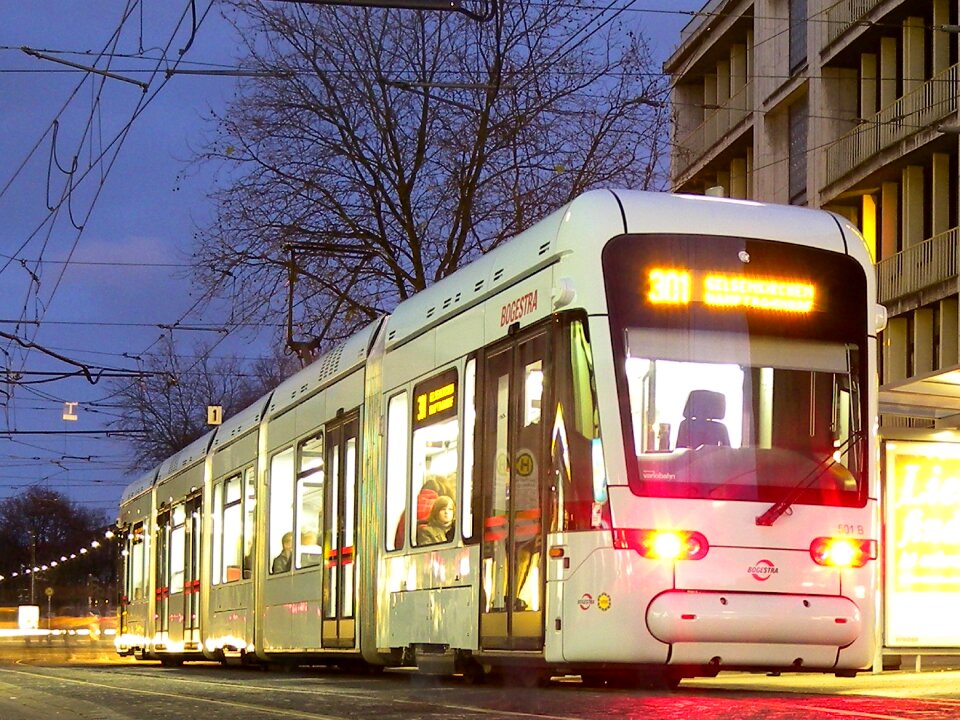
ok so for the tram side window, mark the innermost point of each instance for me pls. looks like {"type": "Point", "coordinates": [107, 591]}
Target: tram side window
{"type": "Point", "coordinates": [249, 519]}
{"type": "Point", "coordinates": [162, 551]}
{"type": "Point", "coordinates": [398, 426]}
{"type": "Point", "coordinates": [281, 511]}
{"type": "Point", "coordinates": [216, 546]}
{"type": "Point", "coordinates": [231, 516]}
{"type": "Point", "coordinates": [136, 555]}
{"type": "Point", "coordinates": [575, 443]}
{"type": "Point", "coordinates": [434, 458]}
{"type": "Point", "coordinates": [310, 480]}
{"type": "Point", "coordinates": [178, 557]}
{"type": "Point", "coordinates": [469, 427]}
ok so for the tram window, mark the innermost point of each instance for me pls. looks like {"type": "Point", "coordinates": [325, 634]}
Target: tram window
{"type": "Point", "coordinates": [723, 415]}
{"type": "Point", "coordinates": [663, 393]}
{"type": "Point", "coordinates": [469, 427]}
{"type": "Point", "coordinates": [533, 392]}
{"type": "Point", "coordinates": [398, 427]}
{"type": "Point", "coordinates": [575, 442]}
{"type": "Point", "coordinates": [310, 479]}
{"type": "Point", "coordinates": [216, 544]}
{"type": "Point", "coordinates": [281, 509]}
{"type": "Point", "coordinates": [135, 559]}
{"type": "Point", "coordinates": [249, 519]}
{"type": "Point", "coordinates": [232, 528]}
{"type": "Point", "coordinates": [178, 558]}
{"type": "Point", "coordinates": [435, 457]}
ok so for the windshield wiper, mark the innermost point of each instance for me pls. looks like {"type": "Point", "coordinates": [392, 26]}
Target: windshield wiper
{"type": "Point", "coordinates": [774, 512]}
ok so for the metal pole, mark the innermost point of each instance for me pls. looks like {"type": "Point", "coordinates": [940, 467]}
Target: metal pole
{"type": "Point", "coordinates": [33, 564]}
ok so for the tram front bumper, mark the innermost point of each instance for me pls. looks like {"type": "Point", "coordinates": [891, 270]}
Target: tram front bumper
{"type": "Point", "coordinates": [677, 617]}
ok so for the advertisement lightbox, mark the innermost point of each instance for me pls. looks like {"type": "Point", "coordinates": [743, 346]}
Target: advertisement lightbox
{"type": "Point", "coordinates": [922, 545]}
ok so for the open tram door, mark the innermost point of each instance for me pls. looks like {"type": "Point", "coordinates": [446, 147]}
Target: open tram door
{"type": "Point", "coordinates": [515, 388]}
{"type": "Point", "coordinates": [340, 509]}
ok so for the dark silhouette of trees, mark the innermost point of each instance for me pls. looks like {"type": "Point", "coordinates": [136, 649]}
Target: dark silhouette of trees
{"type": "Point", "coordinates": [38, 528]}
{"type": "Point", "coordinates": [384, 148]}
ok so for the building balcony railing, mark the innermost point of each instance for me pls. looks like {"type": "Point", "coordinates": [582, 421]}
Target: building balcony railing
{"type": "Point", "coordinates": [695, 144]}
{"type": "Point", "coordinates": [922, 266]}
{"type": "Point", "coordinates": [918, 109]}
{"type": "Point", "coordinates": [845, 14]}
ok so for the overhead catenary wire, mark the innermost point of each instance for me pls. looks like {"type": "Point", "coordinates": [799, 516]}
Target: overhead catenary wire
{"type": "Point", "coordinates": [46, 322]}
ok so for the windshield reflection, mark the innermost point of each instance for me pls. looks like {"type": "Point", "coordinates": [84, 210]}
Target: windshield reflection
{"type": "Point", "coordinates": [769, 421]}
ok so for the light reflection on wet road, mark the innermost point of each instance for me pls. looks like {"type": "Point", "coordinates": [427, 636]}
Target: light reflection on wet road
{"type": "Point", "coordinates": [88, 682]}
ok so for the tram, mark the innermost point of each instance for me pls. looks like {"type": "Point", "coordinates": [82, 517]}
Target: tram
{"type": "Point", "coordinates": [637, 439]}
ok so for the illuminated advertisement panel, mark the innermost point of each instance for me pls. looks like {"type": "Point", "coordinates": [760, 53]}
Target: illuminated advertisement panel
{"type": "Point", "coordinates": [922, 545]}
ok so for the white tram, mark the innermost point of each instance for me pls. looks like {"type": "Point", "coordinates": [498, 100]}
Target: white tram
{"type": "Point", "coordinates": [637, 438]}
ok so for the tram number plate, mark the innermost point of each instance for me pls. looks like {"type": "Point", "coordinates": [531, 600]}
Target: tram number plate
{"type": "Point", "coordinates": [847, 529]}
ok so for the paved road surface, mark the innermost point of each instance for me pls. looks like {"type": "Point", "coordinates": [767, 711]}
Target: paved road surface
{"type": "Point", "coordinates": [89, 683]}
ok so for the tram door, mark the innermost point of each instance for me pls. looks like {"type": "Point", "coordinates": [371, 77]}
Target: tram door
{"type": "Point", "coordinates": [191, 583]}
{"type": "Point", "coordinates": [339, 533]}
{"type": "Point", "coordinates": [162, 577]}
{"type": "Point", "coordinates": [516, 387]}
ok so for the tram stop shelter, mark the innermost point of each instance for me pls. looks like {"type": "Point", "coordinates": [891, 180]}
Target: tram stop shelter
{"type": "Point", "coordinates": [920, 503]}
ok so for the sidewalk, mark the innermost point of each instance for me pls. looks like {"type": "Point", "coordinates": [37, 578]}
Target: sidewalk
{"type": "Point", "coordinates": [939, 678]}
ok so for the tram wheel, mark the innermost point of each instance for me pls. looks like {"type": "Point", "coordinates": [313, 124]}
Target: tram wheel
{"type": "Point", "coordinates": [473, 673]}
{"type": "Point", "coordinates": [593, 679]}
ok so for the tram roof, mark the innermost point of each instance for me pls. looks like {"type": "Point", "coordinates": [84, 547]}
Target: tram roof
{"type": "Point", "coordinates": [240, 423]}
{"type": "Point", "coordinates": [647, 212]}
{"type": "Point", "coordinates": [139, 486]}
{"type": "Point", "coordinates": [501, 267]}
{"type": "Point", "coordinates": [345, 357]}
{"type": "Point", "coordinates": [631, 211]}
{"type": "Point", "coordinates": [192, 453]}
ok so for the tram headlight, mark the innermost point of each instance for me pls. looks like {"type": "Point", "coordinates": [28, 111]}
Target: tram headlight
{"type": "Point", "coordinates": [842, 552]}
{"type": "Point", "coordinates": [662, 544]}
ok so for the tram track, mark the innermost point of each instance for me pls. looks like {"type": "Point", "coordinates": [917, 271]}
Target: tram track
{"type": "Point", "coordinates": [212, 694]}
{"type": "Point", "coordinates": [419, 706]}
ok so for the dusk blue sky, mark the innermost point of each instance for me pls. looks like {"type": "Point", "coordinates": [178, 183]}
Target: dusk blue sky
{"type": "Point", "coordinates": [138, 208]}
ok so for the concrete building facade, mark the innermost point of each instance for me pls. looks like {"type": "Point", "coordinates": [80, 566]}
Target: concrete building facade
{"type": "Point", "coordinates": [849, 106]}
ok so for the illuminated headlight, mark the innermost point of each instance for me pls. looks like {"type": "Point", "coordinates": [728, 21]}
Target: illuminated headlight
{"type": "Point", "coordinates": [842, 552]}
{"type": "Point", "coordinates": [662, 544]}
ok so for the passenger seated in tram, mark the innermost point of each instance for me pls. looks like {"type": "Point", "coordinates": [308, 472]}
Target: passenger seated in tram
{"type": "Point", "coordinates": [310, 552]}
{"type": "Point", "coordinates": [440, 523]}
{"type": "Point", "coordinates": [283, 561]}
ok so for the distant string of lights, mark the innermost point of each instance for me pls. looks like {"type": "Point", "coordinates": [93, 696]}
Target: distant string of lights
{"type": "Point", "coordinates": [64, 559]}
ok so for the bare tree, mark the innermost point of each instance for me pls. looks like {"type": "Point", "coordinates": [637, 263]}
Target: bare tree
{"type": "Point", "coordinates": [165, 409]}
{"type": "Point", "coordinates": [384, 148]}
{"type": "Point", "coordinates": [40, 526]}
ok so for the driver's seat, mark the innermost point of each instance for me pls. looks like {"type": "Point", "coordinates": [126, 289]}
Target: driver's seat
{"type": "Point", "coordinates": [700, 424]}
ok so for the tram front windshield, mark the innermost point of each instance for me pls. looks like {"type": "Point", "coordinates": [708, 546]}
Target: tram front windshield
{"type": "Point", "coordinates": [741, 367]}
{"type": "Point", "coordinates": [729, 416]}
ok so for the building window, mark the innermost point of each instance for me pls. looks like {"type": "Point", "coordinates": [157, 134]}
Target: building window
{"type": "Point", "coordinates": [798, 153]}
{"type": "Point", "coordinates": [798, 34]}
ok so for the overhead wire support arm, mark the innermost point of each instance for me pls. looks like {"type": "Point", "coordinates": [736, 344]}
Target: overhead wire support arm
{"type": "Point", "coordinates": [86, 68]}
